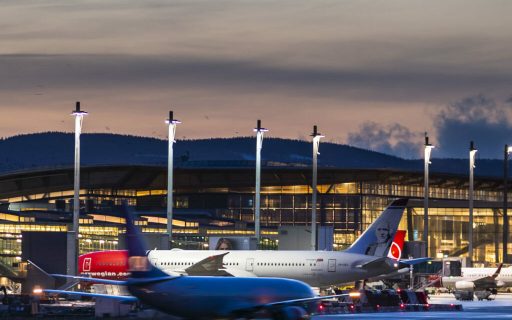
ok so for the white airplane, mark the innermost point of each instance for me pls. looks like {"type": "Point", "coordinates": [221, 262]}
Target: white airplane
{"type": "Point", "coordinates": [367, 257]}
{"type": "Point", "coordinates": [479, 279]}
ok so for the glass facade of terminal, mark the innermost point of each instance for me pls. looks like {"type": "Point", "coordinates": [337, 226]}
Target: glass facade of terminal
{"type": "Point", "coordinates": [348, 207]}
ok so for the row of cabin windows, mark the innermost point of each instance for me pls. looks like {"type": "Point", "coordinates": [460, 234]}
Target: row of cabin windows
{"type": "Point", "coordinates": [285, 264]}
{"type": "Point", "coordinates": [236, 264]}
{"type": "Point", "coordinates": [111, 263]}
{"type": "Point", "coordinates": [190, 263]}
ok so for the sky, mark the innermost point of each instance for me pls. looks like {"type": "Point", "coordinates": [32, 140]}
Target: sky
{"type": "Point", "coordinates": [373, 74]}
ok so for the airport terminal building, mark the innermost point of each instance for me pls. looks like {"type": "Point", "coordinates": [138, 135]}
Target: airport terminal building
{"type": "Point", "coordinates": [215, 197]}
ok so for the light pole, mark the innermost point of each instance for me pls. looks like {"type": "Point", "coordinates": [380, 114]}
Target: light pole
{"type": "Point", "coordinates": [472, 155]}
{"type": "Point", "coordinates": [505, 204]}
{"type": "Point", "coordinates": [73, 254]}
{"type": "Point", "coordinates": [428, 150]}
{"type": "Point", "coordinates": [316, 144]}
{"type": "Point", "coordinates": [171, 122]}
{"type": "Point", "coordinates": [259, 144]}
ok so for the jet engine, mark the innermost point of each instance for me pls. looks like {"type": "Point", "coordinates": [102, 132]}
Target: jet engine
{"type": "Point", "coordinates": [465, 285]}
{"type": "Point", "coordinates": [500, 283]}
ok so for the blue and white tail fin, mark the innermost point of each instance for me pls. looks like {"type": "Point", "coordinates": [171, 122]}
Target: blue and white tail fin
{"type": "Point", "coordinates": [377, 239]}
{"type": "Point", "coordinates": [138, 263]}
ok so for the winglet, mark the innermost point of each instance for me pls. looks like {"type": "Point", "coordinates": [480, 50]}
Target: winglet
{"type": "Point", "coordinates": [497, 273]}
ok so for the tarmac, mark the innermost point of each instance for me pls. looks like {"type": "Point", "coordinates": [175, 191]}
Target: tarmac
{"type": "Point", "coordinates": [500, 308]}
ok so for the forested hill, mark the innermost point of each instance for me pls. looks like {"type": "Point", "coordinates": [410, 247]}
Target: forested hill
{"type": "Point", "coordinates": [55, 149]}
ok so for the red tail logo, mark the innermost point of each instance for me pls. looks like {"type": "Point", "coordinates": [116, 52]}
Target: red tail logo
{"type": "Point", "coordinates": [395, 252]}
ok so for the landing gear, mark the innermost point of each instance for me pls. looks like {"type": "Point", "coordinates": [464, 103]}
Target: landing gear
{"type": "Point", "coordinates": [463, 295]}
{"type": "Point", "coordinates": [486, 295]}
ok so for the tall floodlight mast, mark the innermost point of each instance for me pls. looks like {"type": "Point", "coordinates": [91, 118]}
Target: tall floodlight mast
{"type": "Point", "coordinates": [170, 168]}
{"type": "Point", "coordinates": [316, 144]}
{"type": "Point", "coordinates": [259, 144]}
{"type": "Point", "coordinates": [428, 150]}
{"type": "Point", "coordinates": [73, 254]}
{"type": "Point", "coordinates": [508, 150]}
{"type": "Point", "coordinates": [472, 155]}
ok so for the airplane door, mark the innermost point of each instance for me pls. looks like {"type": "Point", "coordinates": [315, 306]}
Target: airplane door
{"type": "Point", "coordinates": [87, 264]}
{"type": "Point", "coordinates": [331, 265]}
{"type": "Point", "coordinates": [249, 265]}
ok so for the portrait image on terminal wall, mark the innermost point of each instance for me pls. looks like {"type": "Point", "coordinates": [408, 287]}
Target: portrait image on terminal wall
{"type": "Point", "coordinates": [224, 244]}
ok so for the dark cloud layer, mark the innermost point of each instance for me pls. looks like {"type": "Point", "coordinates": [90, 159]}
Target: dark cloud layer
{"type": "Point", "coordinates": [100, 71]}
{"type": "Point", "coordinates": [478, 118]}
{"type": "Point", "coordinates": [392, 139]}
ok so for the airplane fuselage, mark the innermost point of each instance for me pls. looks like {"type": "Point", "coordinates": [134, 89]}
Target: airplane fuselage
{"type": "Point", "coordinates": [316, 268]}
{"type": "Point", "coordinates": [213, 297]}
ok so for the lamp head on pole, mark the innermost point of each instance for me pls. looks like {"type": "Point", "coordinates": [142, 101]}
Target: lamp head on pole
{"type": "Point", "coordinates": [428, 149]}
{"type": "Point", "coordinates": [316, 133]}
{"type": "Point", "coordinates": [472, 152]}
{"type": "Point", "coordinates": [259, 128]}
{"type": "Point", "coordinates": [77, 111]}
{"type": "Point", "coordinates": [316, 138]}
{"type": "Point", "coordinates": [472, 146]}
{"type": "Point", "coordinates": [171, 119]}
{"type": "Point", "coordinates": [427, 144]}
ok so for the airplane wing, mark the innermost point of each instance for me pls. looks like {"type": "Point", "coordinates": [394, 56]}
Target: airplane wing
{"type": "Point", "coordinates": [489, 281]}
{"type": "Point", "coordinates": [239, 273]}
{"type": "Point", "coordinates": [93, 295]}
{"type": "Point", "coordinates": [374, 264]}
{"type": "Point", "coordinates": [288, 303]}
{"type": "Point", "coordinates": [278, 303]}
{"type": "Point", "coordinates": [214, 266]}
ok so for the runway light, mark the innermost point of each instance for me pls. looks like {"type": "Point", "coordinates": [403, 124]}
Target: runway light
{"type": "Point", "coordinates": [402, 306]}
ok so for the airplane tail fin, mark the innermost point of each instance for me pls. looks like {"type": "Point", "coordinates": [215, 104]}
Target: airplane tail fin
{"type": "Point", "coordinates": [138, 263]}
{"type": "Point", "coordinates": [377, 239]}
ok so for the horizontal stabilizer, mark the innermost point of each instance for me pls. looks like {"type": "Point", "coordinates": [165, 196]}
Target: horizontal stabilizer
{"type": "Point", "coordinates": [93, 295]}
{"type": "Point", "coordinates": [88, 279]}
{"type": "Point", "coordinates": [411, 262]}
